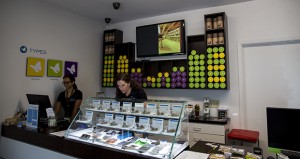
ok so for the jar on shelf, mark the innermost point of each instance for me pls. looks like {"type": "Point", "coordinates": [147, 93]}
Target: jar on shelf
{"type": "Point", "coordinates": [221, 38]}
{"type": "Point", "coordinates": [106, 49]}
{"type": "Point", "coordinates": [106, 37]}
{"type": "Point", "coordinates": [220, 22]}
{"type": "Point", "coordinates": [112, 36]}
{"type": "Point", "coordinates": [215, 40]}
{"type": "Point", "coordinates": [110, 49]}
{"type": "Point", "coordinates": [215, 23]}
{"type": "Point", "coordinates": [209, 39]}
{"type": "Point", "coordinates": [208, 23]}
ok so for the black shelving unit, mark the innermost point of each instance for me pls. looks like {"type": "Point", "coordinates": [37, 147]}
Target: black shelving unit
{"type": "Point", "coordinates": [217, 61]}
{"type": "Point", "coordinates": [110, 40]}
{"type": "Point", "coordinates": [196, 59]}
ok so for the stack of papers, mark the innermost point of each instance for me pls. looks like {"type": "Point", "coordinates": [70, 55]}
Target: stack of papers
{"type": "Point", "coordinates": [192, 154]}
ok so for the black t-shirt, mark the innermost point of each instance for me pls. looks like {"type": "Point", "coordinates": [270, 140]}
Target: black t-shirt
{"type": "Point", "coordinates": [68, 104]}
{"type": "Point", "coordinates": [136, 94]}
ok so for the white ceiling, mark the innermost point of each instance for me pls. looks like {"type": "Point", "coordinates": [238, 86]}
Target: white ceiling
{"type": "Point", "coordinates": [134, 9]}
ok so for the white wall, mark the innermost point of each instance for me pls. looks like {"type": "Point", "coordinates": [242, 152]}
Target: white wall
{"type": "Point", "coordinates": [276, 84]}
{"type": "Point", "coordinates": [64, 35]}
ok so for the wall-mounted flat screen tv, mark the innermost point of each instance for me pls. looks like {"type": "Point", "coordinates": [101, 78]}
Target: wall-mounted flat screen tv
{"type": "Point", "coordinates": [161, 39]}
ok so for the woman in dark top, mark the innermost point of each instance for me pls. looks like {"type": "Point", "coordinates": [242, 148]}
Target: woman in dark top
{"type": "Point", "coordinates": [70, 99]}
{"type": "Point", "coordinates": [127, 88]}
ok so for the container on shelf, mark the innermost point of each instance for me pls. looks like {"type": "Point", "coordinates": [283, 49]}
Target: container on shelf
{"type": "Point", "coordinates": [215, 39]}
{"type": "Point", "coordinates": [222, 112]}
{"type": "Point", "coordinates": [215, 23]}
{"type": "Point", "coordinates": [220, 22]}
{"type": "Point", "coordinates": [221, 38]}
{"type": "Point", "coordinates": [208, 23]}
{"type": "Point", "coordinates": [209, 39]}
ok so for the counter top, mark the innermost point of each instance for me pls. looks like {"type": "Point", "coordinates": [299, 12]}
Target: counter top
{"type": "Point", "coordinates": [211, 120]}
{"type": "Point", "coordinates": [41, 137]}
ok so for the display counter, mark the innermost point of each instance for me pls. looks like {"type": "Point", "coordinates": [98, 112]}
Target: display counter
{"type": "Point", "coordinates": [149, 128]}
{"type": "Point", "coordinates": [118, 128]}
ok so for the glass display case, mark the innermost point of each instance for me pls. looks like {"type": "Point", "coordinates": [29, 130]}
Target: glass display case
{"type": "Point", "coordinates": [154, 128]}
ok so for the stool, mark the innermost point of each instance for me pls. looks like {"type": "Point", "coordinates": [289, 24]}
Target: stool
{"type": "Point", "coordinates": [244, 136]}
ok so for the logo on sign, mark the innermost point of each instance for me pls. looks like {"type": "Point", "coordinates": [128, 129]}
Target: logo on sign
{"type": "Point", "coordinates": [24, 49]}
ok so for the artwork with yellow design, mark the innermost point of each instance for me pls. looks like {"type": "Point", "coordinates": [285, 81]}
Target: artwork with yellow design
{"type": "Point", "coordinates": [35, 67]}
{"type": "Point", "coordinates": [54, 68]}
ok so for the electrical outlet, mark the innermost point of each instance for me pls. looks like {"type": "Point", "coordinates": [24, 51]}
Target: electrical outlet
{"type": "Point", "coordinates": [205, 100]}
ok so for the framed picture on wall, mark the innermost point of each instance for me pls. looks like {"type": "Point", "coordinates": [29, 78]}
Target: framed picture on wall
{"type": "Point", "coordinates": [54, 68]}
{"type": "Point", "coordinates": [71, 68]}
{"type": "Point", "coordinates": [35, 67]}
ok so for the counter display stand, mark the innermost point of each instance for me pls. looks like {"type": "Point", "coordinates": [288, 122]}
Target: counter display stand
{"type": "Point", "coordinates": [151, 128]}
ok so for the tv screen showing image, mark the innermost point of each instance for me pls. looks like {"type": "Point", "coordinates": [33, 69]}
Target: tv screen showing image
{"type": "Point", "coordinates": [161, 39]}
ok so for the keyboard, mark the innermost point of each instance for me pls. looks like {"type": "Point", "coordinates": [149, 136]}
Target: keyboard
{"type": "Point", "coordinates": [291, 154]}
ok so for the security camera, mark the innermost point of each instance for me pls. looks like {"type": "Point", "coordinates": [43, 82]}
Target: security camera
{"type": "Point", "coordinates": [107, 20]}
{"type": "Point", "coordinates": [116, 5]}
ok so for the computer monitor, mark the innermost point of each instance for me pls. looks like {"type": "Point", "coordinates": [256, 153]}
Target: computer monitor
{"type": "Point", "coordinates": [282, 130]}
{"type": "Point", "coordinates": [43, 101]}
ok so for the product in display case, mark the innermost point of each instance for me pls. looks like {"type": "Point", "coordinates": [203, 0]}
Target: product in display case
{"type": "Point", "coordinates": [153, 128]}
{"type": "Point", "coordinates": [142, 125]}
{"type": "Point", "coordinates": [127, 107]}
{"type": "Point", "coordinates": [129, 123]}
{"type": "Point", "coordinates": [164, 109]}
{"type": "Point", "coordinates": [157, 125]}
{"type": "Point", "coordinates": [151, 109]}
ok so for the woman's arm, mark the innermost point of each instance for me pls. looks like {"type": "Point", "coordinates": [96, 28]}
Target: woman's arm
{"type": "Point", "coordinates": [57, 107]}
{"type": "Point", "coordinates": [76, 108]}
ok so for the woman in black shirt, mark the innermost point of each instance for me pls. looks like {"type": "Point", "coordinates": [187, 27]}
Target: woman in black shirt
{"type": "Point", "coordinates": [70, 99]}
{"type": "Point", "coordinates": [127, 88]}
